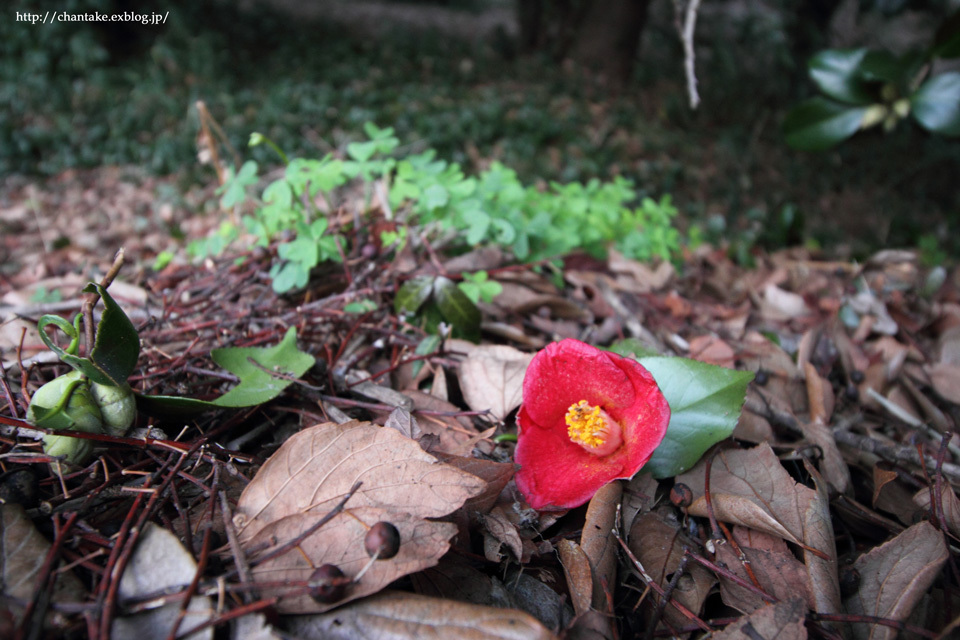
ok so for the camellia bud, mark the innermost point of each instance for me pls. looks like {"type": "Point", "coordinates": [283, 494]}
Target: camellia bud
{"type": "Point", "coordinates": [118, 407]}
{"type": "Point", "coordinates": [382, 541]}
{"type": "Point", "coordinates": [66, 404]}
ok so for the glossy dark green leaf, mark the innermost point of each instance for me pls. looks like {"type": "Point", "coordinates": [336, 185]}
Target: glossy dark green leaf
{"type": "Point", "coordinates": [264, 372]}
{"type": "Point", "coordinates": [117, 344]}
{"type": "Point", "coordinates": [412, 294]}
{"type": "Point", "coordinates": [838, 75]}
{"type": "Point", "coordinates": [819, 124]}
{"type": "Point", "coordinates": [936, 104]}
{"type": "Point", "coordinates": [456, 308]}
{"type": "Point", "coordinates": [705, 403]}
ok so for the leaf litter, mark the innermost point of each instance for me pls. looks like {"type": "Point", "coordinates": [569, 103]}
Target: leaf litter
{"type": "Point", "coordinates": [832, 508]}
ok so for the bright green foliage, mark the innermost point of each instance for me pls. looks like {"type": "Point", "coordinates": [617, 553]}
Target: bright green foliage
{"type": "Point", "coordinates": [491, 208]}
{"type": "Point", "coordinates": [479, 286]}
{"type": "Point", "coordinates": [496, 208]}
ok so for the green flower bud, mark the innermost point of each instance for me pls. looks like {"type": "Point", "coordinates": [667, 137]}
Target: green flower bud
{"type": "Point", "coordinates": [117, 405]}
{"type": "Point", "coordinates": [66, 403]}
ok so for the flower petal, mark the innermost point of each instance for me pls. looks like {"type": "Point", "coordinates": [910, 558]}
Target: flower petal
{"type": "Point", "coordinates": [555, 472]}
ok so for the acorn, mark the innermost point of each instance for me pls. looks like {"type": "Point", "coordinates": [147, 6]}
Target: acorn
{"type": "Point", "coordinates": [382, 541]}
{"type": "Point", "coordinates": [327, 584]}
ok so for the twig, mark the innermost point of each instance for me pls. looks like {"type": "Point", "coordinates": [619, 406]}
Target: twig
{"type": "Point", "coordinates": [686, 37]}
{"type": "Point", "coordinates": [91, 299]}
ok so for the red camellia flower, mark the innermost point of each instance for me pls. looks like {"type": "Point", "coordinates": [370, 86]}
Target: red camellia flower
{"type": "Point", "coordinates": [588, 417]}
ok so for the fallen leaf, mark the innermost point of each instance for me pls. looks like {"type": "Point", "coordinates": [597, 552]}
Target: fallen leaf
{"type": "Point", "coordinates": [400, 616]}
{"type": "Point", "coordinates": [751, 488]}
{"type": "Point", "coordinates": [657, 540]}
{"type": "Point", "coordinates": [495, 475]}
{"type": "Point", "coordinates": [491, 378]}
{"type": "Point", "coordinates": [579, 575]}
{"type": "Point", "coordinates": [454, 578]}
{"type": "Point", "coordinates": [783, 621]}
{"type": "Point", "coordinates": [782, 305]}
{"type": "Point", "coordinates": [314, 470]}
{"type": "Point", "coordinates": [599, 544]}
{"type": "Point", "coordinates": [160, 562]}
{"type": "Point", "coordinates": [639, 496]}
{"type": "Point", "coordinates": [23, 551]}
{"type": "Point", "coordinates": [949, 504]}
{"type": "Point", "coordinates": [504, 532]}
{"type": "Point", "coordinates": [456, 436]}
{"type": "Point", "coordinates": [777, 570]}
{"type": "Point", "coordinates": [945, 379]}
{"type": "Point", "coordinates": [894, 577]}
{"type": "Point", "coordinates": [712, 350]}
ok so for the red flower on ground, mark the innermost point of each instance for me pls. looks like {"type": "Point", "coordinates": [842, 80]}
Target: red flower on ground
{"type": "Point", "coordinates": [588, 417]}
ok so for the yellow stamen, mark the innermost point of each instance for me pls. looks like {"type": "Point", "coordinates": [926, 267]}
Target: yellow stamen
{"type": "Point", "coordinates": [591, 428]}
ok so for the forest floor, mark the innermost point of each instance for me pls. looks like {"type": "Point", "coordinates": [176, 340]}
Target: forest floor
{"type": "Point", "coordinates": [830, 511]}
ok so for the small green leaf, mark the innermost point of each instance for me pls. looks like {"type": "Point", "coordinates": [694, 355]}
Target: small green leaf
{"type": "Point", "coordinates": [705, 403]}
{"type": "Point", "coordinates": [360, 306]}
{"type": "Point", "coordinates": [632, 348]}
{"type": "Point", "coordinates": [936, 104]}
{"type": "Point", "coordinates": [413, 294]}
{"type": "Point", "coordinates": [819, 124]}
{"type": "Point", "coordinates": [456, 308]}
{"type": "Point", "coordinates": [361, 151]}
{"type": "Point", "coordinates": [257, 383]}
{"type": "Point", "coordinates": [838, 74]}
{"type": "Point", "coordinates": [428, 345]}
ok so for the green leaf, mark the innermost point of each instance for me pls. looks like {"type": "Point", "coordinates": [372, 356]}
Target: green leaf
{"type": "Point", "coordinates": [838, 74]}
{"type": "Point", "coordinates": [705, 402]}
{"type": "Point", "coordinates": [632, 348]}
{"type": "Point", "coordinates": [257, 383]}
{"type": "Point", "coordinates": [235, 190]}
{"type": "Point", "coordinates": [819, 124]}
{"type": "Point", "coordinates": [428, 345]}
{"type": "Point", "coordinates": [361, 151]}
{"type": "Point", "coordinates": [456, 308]}
{"type": "Point", "coordinates": [936, 104]}
{"type": "Point", "coordinates": [413, 294]}
{"type": "Point", "coordinates": [116, 347]}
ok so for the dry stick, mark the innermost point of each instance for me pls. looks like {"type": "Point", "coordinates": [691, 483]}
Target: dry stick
{"type": "Point", "coordinates": [44, 574]}
{"type": "Point", "coordinates": [729, 575]}
{"type": "Point", "coordinates": [667, 594]}
{"type": "Point", "coordinates": [895, 454]}
{"type": "Point", "coordinates": [201, 562]}
{"type": "Point", "coordinates": [686, 35]}
{"type": "Point", "coordinates": [290, 544]}
{"type": "Point", "coordinates": [121, 558]}
{"type": "Point", "coordinates": [649, 581]}
{"type": "Point", "coordinates": [243, 567]}
{"type": "Point", "coordinates": [91, 299]}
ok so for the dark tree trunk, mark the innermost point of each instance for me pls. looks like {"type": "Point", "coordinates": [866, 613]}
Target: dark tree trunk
{"type": "Point", "coordinates": [609, 37]}
{"type": "Point", "coordinates": [601, 35]}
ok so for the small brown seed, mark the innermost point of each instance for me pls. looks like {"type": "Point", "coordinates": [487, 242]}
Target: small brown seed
{"type": "Point", "coordinates": [327, 584]}
{"type": "Point", "coordinates": [382, 540]}
{"type": "Point", "coordinates": [681, 495]}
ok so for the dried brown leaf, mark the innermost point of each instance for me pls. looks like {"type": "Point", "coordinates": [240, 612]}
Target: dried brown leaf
{"type": "Point", "coordinates": [497, 525]}
{"type": "Point", "coordinates": [949, 504]}
{"type": "Point", "coordinates": [576, 569]}
{"type": "Point", "coordinates": [315, 469]}
{"type": "Point", "coordinates": [456, 435]}
{"type": "Point", "coordinates": [491, 378]}
{"type": "Point", "coordinates": [639, 496]}
{"type": "Point", "coordinates": [598, 541]}
{"type": "Point", "coordinates": [657, 540]}
{"type": "Point", "coordinates": [783, 621]}
{"type": "Point", "coordinates": [779, 573]}
{"type": "Point", "coordinates": [752, 489]}
{"type": "Point", "coordinates": [945, 379]}
{"type": "Point", "coordinates": [23, 551]}
{"type": "Point", "coordinates": [496, 475]}
{"type": "Point", "coordinates": [894, 577]}
{"type": "Point", "coordinates": [399, 616]}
